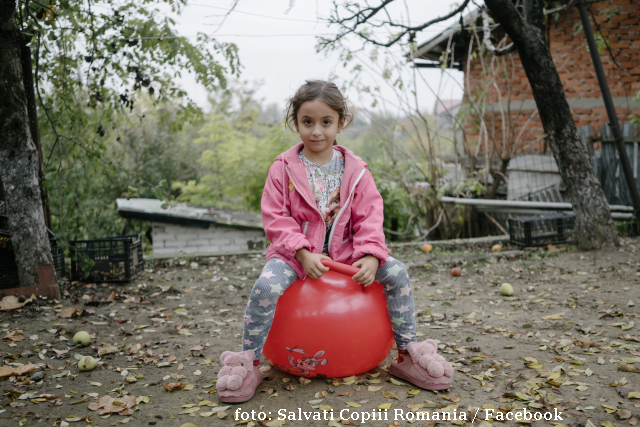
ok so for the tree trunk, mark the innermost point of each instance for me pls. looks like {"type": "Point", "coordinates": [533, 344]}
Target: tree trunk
{"type": "Point", "coordinates": [25, 58]}
{"type": "Point", "coordinates": [1, 194]}
{"type": "Point", "coordinates": [594, 226]}
{"type": "Point", "coordinates": [19, 161]}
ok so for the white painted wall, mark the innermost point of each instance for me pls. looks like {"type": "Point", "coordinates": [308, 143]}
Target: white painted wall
{"type": "Point", "coordinates": [172, 239]}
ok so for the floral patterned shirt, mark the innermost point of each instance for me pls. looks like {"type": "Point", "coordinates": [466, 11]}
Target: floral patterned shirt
{"type": "Point", "coordinates": [325, 181]}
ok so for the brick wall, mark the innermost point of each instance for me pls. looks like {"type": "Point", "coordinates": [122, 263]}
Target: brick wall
{"type": "Point", "coordinates": [619, 21]}
{"type": "Point", "coordinates": [171, 239]}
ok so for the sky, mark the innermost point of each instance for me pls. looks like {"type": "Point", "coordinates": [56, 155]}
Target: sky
{"type": "Point", "coordinates": [276, 42]}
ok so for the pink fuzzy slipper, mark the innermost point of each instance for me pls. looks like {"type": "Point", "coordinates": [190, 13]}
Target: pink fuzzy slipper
{"type": "Point", "coordinates": [425, 368]}
{"type": "Point", "coordinates": [238, 378]}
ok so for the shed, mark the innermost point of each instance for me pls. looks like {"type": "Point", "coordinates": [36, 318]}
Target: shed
{"type": "Point", "coordinates": [199, 231]}
{"type": "Point", "coordinates": [619, 25]}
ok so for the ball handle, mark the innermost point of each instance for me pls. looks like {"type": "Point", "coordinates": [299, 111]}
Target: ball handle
{"type": "Point", "coordinates": [339, 267]}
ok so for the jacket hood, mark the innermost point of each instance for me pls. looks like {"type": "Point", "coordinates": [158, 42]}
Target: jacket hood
{"type": "Point", "coordinates": [291, 155]}
{"type": "Point", "coordinates": [353, 166]}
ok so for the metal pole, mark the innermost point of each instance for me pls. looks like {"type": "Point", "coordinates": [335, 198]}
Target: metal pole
{"type": "Point", "coordinates": [611, 111]}
{"type": "Point", "coordinates": [522, 204]}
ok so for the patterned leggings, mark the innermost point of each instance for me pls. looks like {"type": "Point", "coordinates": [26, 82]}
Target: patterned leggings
{"type": "Point", "coordinates": [277, 276]}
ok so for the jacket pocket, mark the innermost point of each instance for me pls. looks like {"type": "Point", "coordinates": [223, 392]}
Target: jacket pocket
{"type": "Point", "coordinates": [304, 227]}
{"type": "Point", "coordinates": [346, 236]}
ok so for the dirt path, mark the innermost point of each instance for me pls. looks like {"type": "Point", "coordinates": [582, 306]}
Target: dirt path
{"type": "Point", "coordinates": [568, 315]}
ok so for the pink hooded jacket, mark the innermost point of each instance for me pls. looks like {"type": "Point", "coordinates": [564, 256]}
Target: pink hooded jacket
{"type": "Point", "coordinates": [292, 221]}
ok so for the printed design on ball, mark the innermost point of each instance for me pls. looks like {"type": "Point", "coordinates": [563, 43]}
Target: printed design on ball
{"type": "Point", "coordinates": [304, 366]}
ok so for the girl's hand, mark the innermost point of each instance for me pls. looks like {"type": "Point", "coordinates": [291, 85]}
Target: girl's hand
{"type": "Point", "coordinates": [368, 265]}
{"type": "Point", "coordinates": [312, 263]}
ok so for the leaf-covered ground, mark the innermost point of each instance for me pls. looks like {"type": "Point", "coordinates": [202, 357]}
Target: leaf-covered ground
{"type": "Point", "coordinates": [565, 341]}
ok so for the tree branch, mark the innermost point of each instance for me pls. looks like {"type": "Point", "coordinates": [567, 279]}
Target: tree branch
{"type": "Point", "coordinates": [534, 13]}
{"type": "Point", "coordinates": [362, 16]}
{"type": "Point", "coordinates": [511, 20]}
{"type": "Point", "coordinates": [486, 37]}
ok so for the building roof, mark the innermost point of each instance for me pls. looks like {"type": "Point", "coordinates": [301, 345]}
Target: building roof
{"type": "Point", "coordinates": [433, 48]}
{"type": "Point", "coordinates": [184, 214]}
{"type": "Point", "coordinates": [446, 105]}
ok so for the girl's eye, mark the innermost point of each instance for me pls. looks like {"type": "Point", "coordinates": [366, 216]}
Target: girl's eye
{"type": "Point", "coordinates": [327, 122]}
{"type": "Point", "coordinates": [307, 122]}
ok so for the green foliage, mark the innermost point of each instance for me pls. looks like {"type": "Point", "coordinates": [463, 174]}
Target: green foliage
{"type": "Point", "coordinates": [601, 43]}
{"type": "Point", "coordinates": [113, 121]}
{"type": "Point", "coordinates": [138, 156]}
{"type": "Point", "coordinates": [238, 149]}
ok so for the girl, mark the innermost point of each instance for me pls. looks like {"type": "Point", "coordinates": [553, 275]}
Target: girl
{"type": "Point", "coordinates": [304, 187]}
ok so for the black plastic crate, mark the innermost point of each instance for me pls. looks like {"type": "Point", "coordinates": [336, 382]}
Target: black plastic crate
{"type": "Point", "coordinates": [542, 230]}
{"type": "Point", "coordinates": [117, 259]}
{"type": "Point", "coordinates": [8, 267]}
{"type": "Point", "coordinates": [57, 252]}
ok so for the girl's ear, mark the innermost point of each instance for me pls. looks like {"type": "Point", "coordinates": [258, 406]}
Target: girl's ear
{"type": "Point", "coordinates": [295, 123]}
{"type": "Point", "coordinates": [341, 124]}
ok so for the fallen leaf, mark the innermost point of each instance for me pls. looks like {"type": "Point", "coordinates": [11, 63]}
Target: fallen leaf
{"type": "Point", "coordinates": [107, 349]}
{"type": "Point", "coordinates": [109, 405]}
{"type": "Point", "coordinates": [142, 399]}
{"type": "Point", "coordinates": [14, 336]}
{"type": "Point", "coordinates": [624, 414]}
{"type": "Point", "coordinates": [353, 404]}
{"type": "Point", "coordinates": [623, 391]}
{"type": "Point", "coordinates": [554, 316]}
{"type": "Point", "coordinates": [8, 371]}
{"type": "Point", "coordinates": [389, 395]}
{"type": "Point", "coordinates": [84, 399]}
{"type": "Point", "coordinates": [69, 312]}
{"type": "Point", "coordinates": [628, 368]}
{"type": "Point", "coordinates": [304, 381]}
{"type": "Point", "coordinates": [396, 382]}
{"type": "Point", "coordinates": [173, 386]}
{"type": "Point", "coordinates": [11, 302]}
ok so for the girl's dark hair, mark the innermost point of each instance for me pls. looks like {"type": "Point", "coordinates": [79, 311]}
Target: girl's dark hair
{"type": "Point", "coordinates": [319, 89]}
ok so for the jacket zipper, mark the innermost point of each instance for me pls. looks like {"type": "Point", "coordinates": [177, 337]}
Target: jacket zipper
{"type": "Point", "coordinates": [337, 218]}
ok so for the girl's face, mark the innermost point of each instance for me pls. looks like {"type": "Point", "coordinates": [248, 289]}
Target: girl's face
{"type": "Point", "coordinates": [318, 124]}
